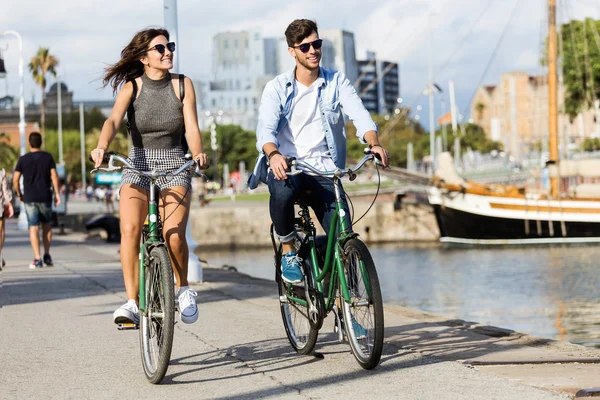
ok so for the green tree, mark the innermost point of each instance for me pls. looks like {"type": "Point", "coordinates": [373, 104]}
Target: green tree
{"type": "Point", "coordinates": [40, 65]}
{"type": "Point", "coordinates": [234, 145]}
{"type": "Point", "coordinates": [395, 133]}
{"type": "Point", "coordinates": [476, 139]}
{"type": "Point", "coordinates": [92, 118]}
{"type": "Point", "coordinates": [8, 154]}
{"type": "Point", "coordinates": [581, 64]}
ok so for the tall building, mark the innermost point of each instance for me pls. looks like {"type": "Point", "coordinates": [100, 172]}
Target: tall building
{"type": "Point", "coordinates": [491, 108]}
{"type": "Point", "coordinates": [378, 84]}
{"type": "Point", "coordinates": [242, 64]}
{"type": "Point", "coordinates": [339, 52]}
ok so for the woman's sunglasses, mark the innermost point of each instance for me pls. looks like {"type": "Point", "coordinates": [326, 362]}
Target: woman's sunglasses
{"type": "Point", "coordinates": [161, 47]}
{"type": "Point", "coordinates": [305, 47]}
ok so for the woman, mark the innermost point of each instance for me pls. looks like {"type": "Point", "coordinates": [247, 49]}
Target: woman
{"type": "Point", "coordinates": [158, 121]}
{"type": "Point", "coordinates": [6, 210]}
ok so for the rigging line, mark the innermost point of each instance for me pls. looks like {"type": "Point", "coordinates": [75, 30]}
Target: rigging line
{"type": "Point", "coordinates": [496, 48]}
{"type": "Point", "coordinates": [463, 39]}
{"type": "Point", "coordinates": [373, 61]}
{"type": "Point", "coordinates": [386, 70]}
{"type": "Point", "coordinates": [377, 79]}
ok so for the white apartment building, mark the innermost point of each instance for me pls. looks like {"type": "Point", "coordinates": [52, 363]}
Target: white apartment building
{"type": "Point", "coordinates": [242, 63]}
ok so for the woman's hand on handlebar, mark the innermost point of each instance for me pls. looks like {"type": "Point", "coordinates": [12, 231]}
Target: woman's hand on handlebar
{"type": "Point", "coordinates": [97, 155]}
{"type": "Point", "coordinates": [202, 160]}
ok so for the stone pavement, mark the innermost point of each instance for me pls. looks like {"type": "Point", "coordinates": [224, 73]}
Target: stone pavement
{"type": "Point", "coordinates": [58, 341]}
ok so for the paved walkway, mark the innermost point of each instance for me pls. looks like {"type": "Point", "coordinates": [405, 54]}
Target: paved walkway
{"type": "Point", "coordinates": [58, 341]}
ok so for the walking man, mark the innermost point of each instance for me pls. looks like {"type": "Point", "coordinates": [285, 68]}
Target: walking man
{"type": "Point", "coordinates": [39, 177]}
{"type": "Point", "coordinates": [300, 116]}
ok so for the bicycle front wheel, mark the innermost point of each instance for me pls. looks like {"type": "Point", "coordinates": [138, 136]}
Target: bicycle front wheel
{"type": "Point", "coordinates": [300, 332]}
{"type": "Point", "coordinates": [363, 316]}
{"type": "Point", "coordinates": [157, 323]}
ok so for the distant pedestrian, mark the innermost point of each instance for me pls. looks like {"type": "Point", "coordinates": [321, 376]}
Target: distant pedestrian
{"type": "Point", "coordinates": [39, 177]}
{"type": "Point", "coordinates": [108, 199]}
{"type": "Point", "coordinates": [89, 193]}
{"type": "Point", "coordinates": [6, 210]}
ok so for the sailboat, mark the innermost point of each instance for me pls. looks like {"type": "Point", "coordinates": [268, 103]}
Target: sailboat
{"type": "Point", "coordinates": [472, 213]}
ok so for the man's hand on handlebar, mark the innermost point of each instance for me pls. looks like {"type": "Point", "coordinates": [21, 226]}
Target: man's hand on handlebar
{"type": "Point", "coordinates": [382, 154]}
{"type": "Point", "coordinates": [279, 165]}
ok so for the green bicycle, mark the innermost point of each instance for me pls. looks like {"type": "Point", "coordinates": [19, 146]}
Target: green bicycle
{"type": "Point", "coordinates": [157, 286]}
{"type": "Point", "coordinates": [339, 272]}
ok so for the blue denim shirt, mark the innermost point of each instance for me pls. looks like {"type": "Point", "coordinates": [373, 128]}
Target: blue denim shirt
{"type": "Point", "coordinates": [335, 93]}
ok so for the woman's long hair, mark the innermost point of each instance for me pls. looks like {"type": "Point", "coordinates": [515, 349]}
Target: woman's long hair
{"type": "Point", "coordinates": [129, 66]}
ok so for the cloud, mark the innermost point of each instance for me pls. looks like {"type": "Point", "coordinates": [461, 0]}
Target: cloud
{"type": "Point", "coordinates": [92, 33]}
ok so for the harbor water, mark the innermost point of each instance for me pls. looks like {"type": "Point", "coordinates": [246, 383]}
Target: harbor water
{"type": "Point", "coordinates": [552, 291]}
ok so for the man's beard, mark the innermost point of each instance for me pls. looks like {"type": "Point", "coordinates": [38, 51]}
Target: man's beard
{"type": "Point", "coordinates": [308, 65]}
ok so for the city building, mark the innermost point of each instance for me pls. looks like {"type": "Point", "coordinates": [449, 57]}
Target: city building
{"type": "Point", "coordinates": [378, 84]}
{"type": "Point", "coordinates": [243, 62]}
{"type": "Point", "coordinates": [339, 52]}
{"type": "Point", "coordinates": [51, 98]}
{"type": "Point", "coordinates": [491, 108]}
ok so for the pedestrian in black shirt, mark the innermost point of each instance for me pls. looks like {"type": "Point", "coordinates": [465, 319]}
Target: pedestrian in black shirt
{"type": "Point", "coordinates": [39, 177]}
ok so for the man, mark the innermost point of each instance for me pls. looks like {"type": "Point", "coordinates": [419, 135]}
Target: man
{"type": "Point", "coordinates": [39, 175]}
{"type": "Point", "coordinates": [301, 116]}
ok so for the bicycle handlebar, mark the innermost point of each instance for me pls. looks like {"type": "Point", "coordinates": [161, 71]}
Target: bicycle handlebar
{"type": "Point", "coordinates": [339, 173]}
{"type": "Point", "coordinates": [111, 156]}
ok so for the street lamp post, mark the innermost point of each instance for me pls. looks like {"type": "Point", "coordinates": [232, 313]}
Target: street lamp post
{"type": "Point", "coordinates": [195, 273]}
{"type": "Point", "coordinates": [59, 114]}
{"type": "Point", "coordinates": [22, 225]}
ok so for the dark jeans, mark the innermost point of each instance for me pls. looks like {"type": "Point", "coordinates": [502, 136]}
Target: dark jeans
{"type": "Point", "coordinates": [284, 193]}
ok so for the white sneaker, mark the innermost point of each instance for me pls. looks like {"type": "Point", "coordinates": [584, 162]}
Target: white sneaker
{"type": "Point", "coordinates": [188, 311]}
{"type": "Point", "coordinates": [128, 313]}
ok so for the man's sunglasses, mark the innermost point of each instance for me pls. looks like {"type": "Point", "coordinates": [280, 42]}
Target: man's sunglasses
{"type": "Point", "coordinates": [161, 47]}
{"type": "Point", "coordinates": [305, 47]}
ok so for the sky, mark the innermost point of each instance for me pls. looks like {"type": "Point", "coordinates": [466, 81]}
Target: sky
{"type": "Point", "coordinates": [86, 36]}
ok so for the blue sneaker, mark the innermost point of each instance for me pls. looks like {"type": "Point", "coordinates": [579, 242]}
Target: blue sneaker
{"type": "Point", "coordinates": [291, 272]}
{"type": "Point", "coordinates": [359, 331]}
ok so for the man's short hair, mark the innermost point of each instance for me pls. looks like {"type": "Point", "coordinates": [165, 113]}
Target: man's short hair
{"type": "Point", "coordinates": [299, 30]}
{"type": "Point", "coordinates": [35, 140]}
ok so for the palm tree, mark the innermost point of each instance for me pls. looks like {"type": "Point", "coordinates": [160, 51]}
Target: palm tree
{"type": "Point", "coordinates": [41, 64]}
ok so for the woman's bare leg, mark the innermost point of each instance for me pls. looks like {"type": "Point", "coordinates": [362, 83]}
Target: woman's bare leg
{"type": "Point", "coordinates": [133, 209]}
{"type": "Point", "coordinates": [174, 211]}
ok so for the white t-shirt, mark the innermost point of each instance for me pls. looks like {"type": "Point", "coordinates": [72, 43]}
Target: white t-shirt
{"type": "Point", "coordinates": [303, 137]}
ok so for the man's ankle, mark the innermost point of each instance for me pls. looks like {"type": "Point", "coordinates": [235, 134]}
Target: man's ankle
{"type": "Point", "coordinates": [286, 247]}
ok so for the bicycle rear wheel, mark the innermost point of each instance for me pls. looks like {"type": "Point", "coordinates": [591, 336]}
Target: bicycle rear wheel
{"type": "Point", "coordinates": [363, 317]}
{"type": "Point", "coordinates": [300, 332]}
{"type": "Point", "coordinates": [157, 323]}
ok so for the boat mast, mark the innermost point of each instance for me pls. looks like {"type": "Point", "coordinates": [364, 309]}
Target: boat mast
{"type": "Point", "coordinates": [553, 94]}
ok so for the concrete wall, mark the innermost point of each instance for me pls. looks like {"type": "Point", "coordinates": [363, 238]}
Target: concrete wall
{"type": "Point", "coordinates": [247, 225]}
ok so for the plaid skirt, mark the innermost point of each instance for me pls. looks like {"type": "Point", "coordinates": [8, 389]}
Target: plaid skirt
{"type": "Point", "coordinates": [165, 160]}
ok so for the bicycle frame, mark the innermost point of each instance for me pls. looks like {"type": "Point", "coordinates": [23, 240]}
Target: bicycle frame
{"type": "Point", "coordinates": [153, 239]}
{"type": "Point", "coordinates": [333, 262]}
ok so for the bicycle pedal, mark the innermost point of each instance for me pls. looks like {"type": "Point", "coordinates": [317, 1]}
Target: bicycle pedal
{"type": "Point", "coordinates": [127, 326]}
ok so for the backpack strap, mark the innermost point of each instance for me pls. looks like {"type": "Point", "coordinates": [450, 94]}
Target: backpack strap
{"type": "Point", "coordinates": [181, 87]}
{"type": "Point", "coordinates": [184, 143]}
{"type": "Point", "coordinates": [130, 109]}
